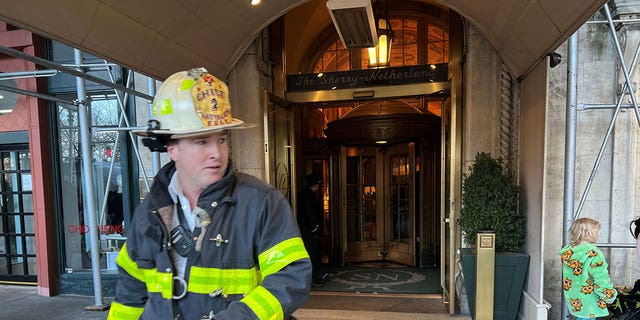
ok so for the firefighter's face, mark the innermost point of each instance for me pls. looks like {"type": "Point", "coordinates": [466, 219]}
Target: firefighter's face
{"type": "Point", "coordinates": [200, 161]}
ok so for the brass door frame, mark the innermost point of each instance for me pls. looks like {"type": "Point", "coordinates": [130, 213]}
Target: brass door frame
{"type": "Point", "coordinates": [399, 251]}
{"type": "Point", "coordinates": [363, 250]}
{"type": "Point", "coordinates": [279, 158]}
{"type": "Point", "coordinates": [451, 179]}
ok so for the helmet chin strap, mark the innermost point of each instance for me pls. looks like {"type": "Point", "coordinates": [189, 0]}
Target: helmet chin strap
{"type": "Point", "coordinates": [156, 143]}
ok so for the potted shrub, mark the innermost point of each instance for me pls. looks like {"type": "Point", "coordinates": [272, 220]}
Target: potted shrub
{"type": "Point", "coordinates": [490, 201]}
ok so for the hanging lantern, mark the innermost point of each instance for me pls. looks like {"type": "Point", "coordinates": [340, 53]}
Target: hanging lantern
{"type": "Point", "coordinates": [380, 54]}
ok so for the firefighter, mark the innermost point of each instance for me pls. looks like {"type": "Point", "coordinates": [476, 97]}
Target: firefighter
{"type": "Point", "coordinates": [207, 242]}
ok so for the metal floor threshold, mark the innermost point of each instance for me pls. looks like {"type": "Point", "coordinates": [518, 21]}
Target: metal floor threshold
{"type": "Point", "coordinates": [380, 306]}
{"type": "Point", "coordinates": [327, 314]}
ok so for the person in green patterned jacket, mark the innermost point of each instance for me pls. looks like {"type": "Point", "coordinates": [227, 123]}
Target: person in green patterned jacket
{"type": "Point", "coordinates": [585, 274]}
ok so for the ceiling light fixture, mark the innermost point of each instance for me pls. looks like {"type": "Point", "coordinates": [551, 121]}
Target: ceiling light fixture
{"type": "Point", "coordinates": [255, 2]}
{"type": "Point", "coordinates": [354, 22]}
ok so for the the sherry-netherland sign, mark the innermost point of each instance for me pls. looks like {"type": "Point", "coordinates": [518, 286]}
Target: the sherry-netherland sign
{"type": "Point", "coordinates": [367, 78]}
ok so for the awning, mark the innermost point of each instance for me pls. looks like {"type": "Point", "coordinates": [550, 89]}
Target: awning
{"type": "Point", "coordinates": [159, 37]}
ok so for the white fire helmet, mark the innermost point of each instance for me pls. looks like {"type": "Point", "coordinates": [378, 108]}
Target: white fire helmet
{"type": "Point", "coordinates": [189, 104]}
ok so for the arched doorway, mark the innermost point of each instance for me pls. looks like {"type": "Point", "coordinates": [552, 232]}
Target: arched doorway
{"type": "Point", "coordinates": [319, 91]}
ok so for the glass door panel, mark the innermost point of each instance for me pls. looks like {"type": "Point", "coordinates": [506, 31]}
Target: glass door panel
{"type": "Point", "coordinates": [361, 209]}
{"type": "Point", "coordinates": [279, 156]}
{"type": "Point", "coordinates": [17, 237]}
{"type": "Point", "coordinates": [379, 209]}
{"type": "Point", "coordinates": [368, 194]}
{"type": "Point", "coordinates": [401, 206]}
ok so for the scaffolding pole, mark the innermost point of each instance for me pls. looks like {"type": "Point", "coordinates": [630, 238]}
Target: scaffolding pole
{"type": "Point", "coordinates": [124, 117]}
{"type": "Point", "coordinates": [570, 145]}
{"type": "Point", "coordinates": [570, 135]}
{"type": "Point", "coordinates": [87, 179]}
{"type": "Point", "coordinates": [35, 94]}
{"type": "Point", "coordinates": [53, 65]}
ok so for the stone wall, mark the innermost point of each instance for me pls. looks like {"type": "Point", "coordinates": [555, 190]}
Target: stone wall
{"type": "Point", "coordinates": [246, 86]}
{"type": "Point", "coordinates": [481, 112]}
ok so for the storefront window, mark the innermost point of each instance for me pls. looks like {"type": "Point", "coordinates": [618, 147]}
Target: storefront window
{"type": "Point", "coordinates": [107, 183]}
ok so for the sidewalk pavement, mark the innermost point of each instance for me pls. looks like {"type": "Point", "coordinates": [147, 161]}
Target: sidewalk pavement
{"type": "Point", "coordinates": [23, 303]}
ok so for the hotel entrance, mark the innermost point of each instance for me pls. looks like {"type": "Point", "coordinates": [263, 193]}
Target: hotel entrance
{"type": "Point", "coordinates": [379, 207]}
{"type": "Point", "coordinates": [376, 136]}
{"type": "Point", "coordinates": [380, 164]}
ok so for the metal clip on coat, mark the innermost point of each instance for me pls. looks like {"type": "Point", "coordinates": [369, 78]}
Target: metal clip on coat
{"type": "Point", "coordinates": [218, 239]}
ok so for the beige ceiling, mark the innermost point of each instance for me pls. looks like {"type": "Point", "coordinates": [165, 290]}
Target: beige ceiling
{"type": "Point", "coordinates": [158, 37]}
{"type": "Point", "coordinates": [525, 31]}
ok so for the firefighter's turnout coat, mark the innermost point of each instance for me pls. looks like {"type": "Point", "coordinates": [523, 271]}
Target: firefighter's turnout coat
{"type": "Point", "coordinates": [252, 265]}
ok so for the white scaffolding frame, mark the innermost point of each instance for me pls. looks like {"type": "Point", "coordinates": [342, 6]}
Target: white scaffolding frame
{"type": "Point", "coordinates": [78, 70]}
{"type": "Point", "coordinates": [571, 123]}
{"type": "Point", "coordinates": [572, 109]}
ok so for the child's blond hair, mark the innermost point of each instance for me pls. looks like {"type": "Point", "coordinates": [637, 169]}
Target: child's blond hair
{"type": "Point", "coordinates": [579, 229]}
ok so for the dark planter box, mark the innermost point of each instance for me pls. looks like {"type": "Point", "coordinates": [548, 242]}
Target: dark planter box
{"type": "Point", "coordinates": [510, 273]}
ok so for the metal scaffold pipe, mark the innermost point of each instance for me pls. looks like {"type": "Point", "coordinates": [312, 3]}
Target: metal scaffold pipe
{"type": "Point", "coordinates": [87, 181]}
{"type": "Point", "coordinates": [570, 145]}
{"type": "Point", "coordinates": [35, 94]}
{"type": "Point", "coordinates": [53, 65]}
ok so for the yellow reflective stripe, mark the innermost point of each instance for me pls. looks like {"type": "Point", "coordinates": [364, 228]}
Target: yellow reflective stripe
{"type": "Point", "coordinates": [156, 281]}
{"type": "Point", "coordinates": [119, 311]}
{"type": "Point", "coordinates": [125, 262]}
{"type": "Point", "coordinates": [159, 282]}
{"type": "Point", "coordinates": [231, 281]}
{"type": "Point", "coordinates": [280, 255]}
{"type": "Point", "coordinates": [264, 304]}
